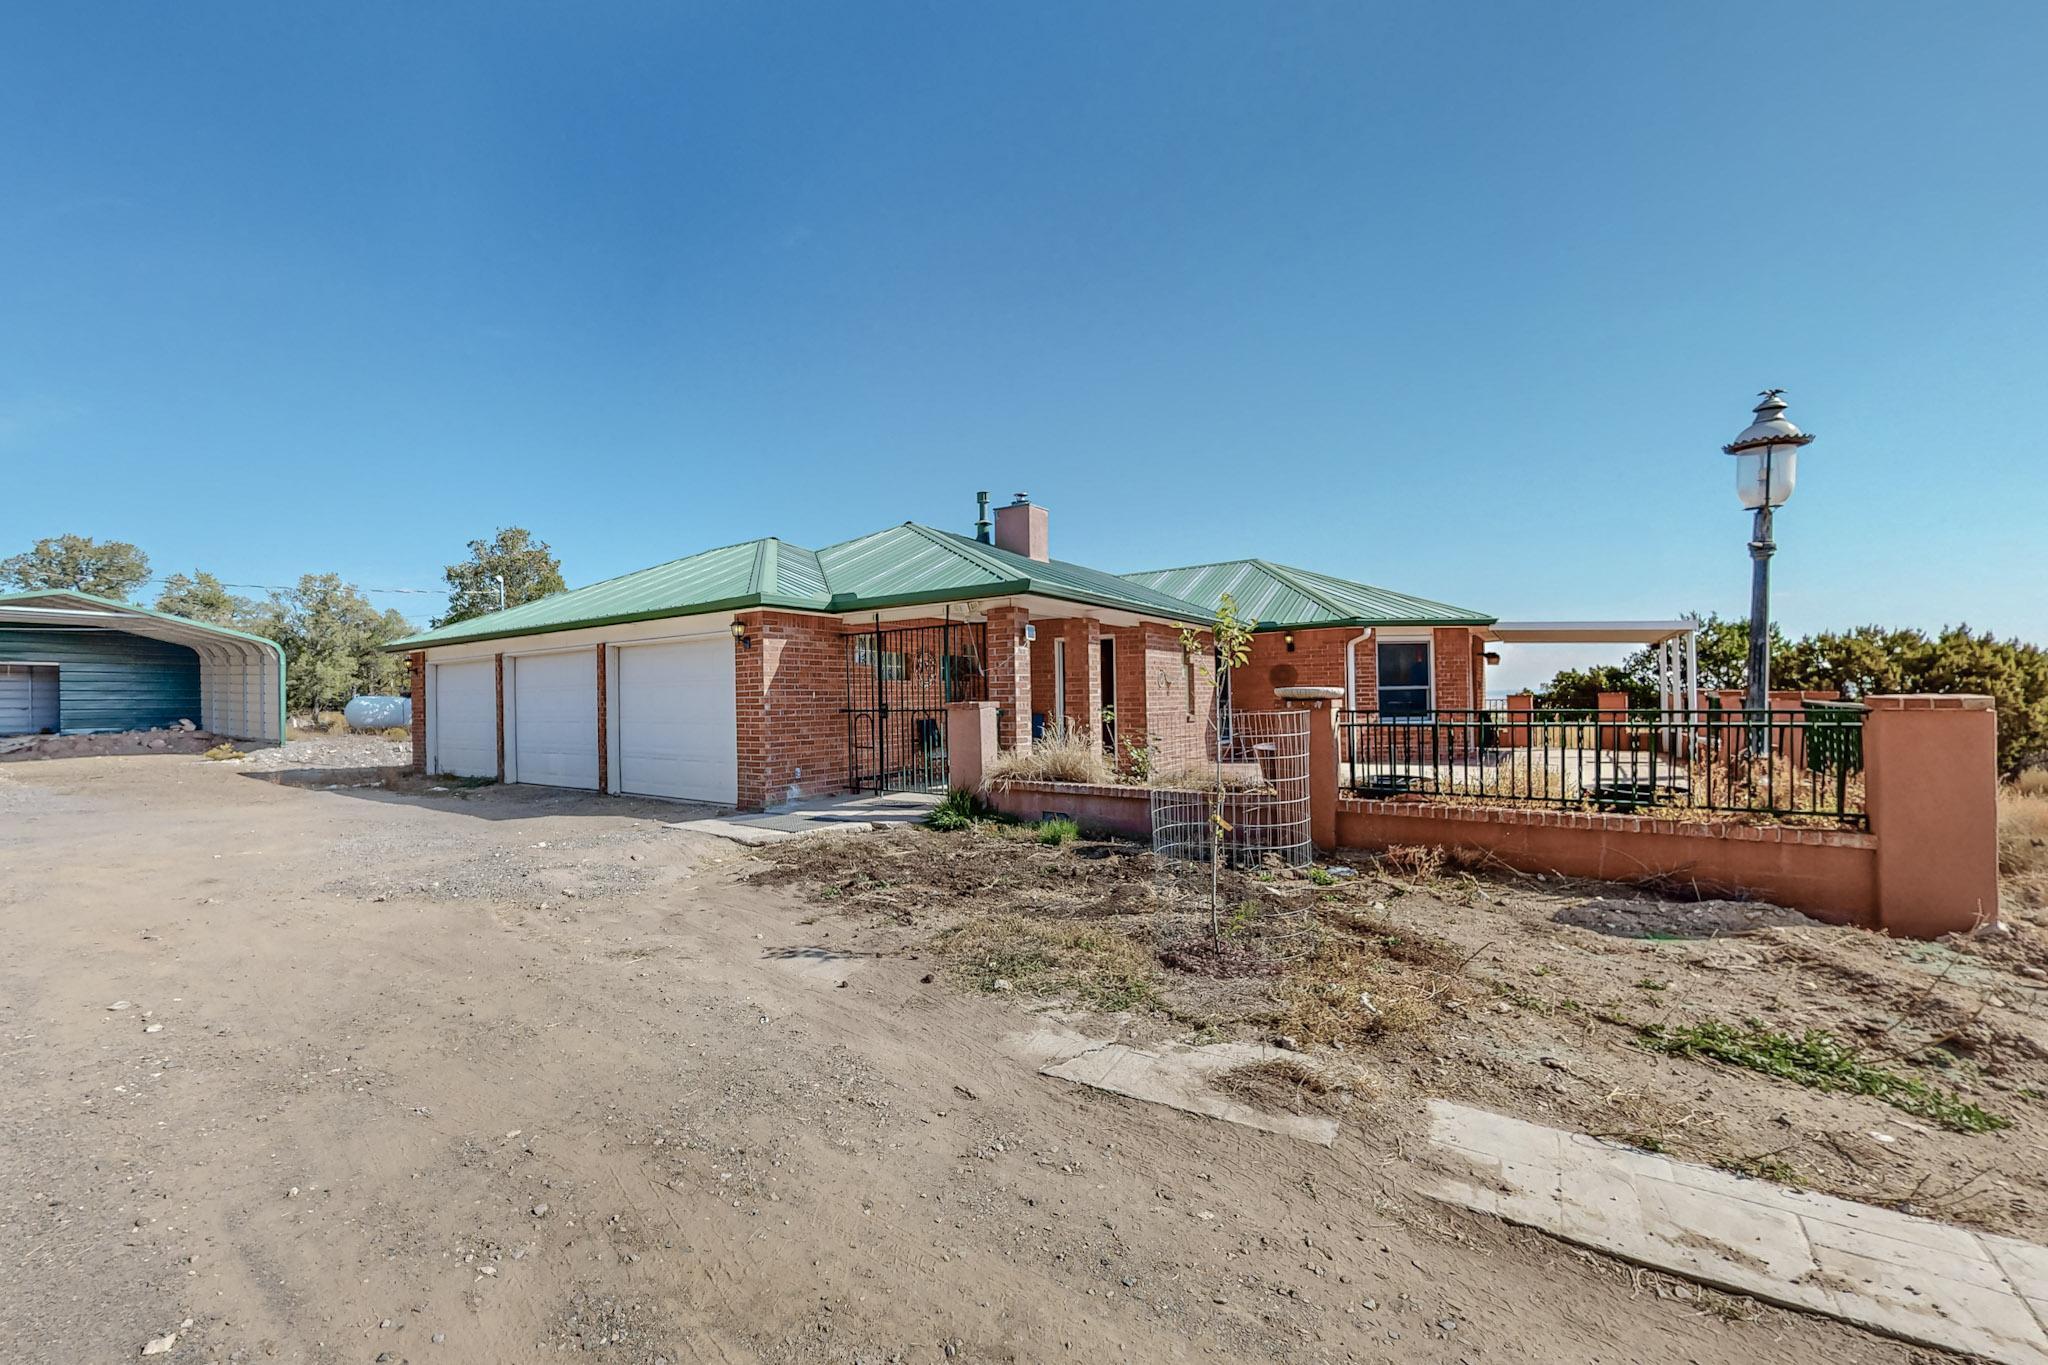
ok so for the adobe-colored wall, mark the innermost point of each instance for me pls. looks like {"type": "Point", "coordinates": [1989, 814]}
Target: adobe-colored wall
{"type": "Point", "coordinates": [1124, 811]}
{"type": "Point", "coordinates": [1828, 873]}
{"type": "Point", "coordinates": [1930, 775]}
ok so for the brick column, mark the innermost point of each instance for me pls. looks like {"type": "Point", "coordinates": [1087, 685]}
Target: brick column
{"type": "Point", "coordinates": [1322, 765]}
{"type": "Point", "coordinates": [1930, 775]}
{"type": "Point", "coordinates": [500, 659]}
{"type": "Point", "coordinates": [1521, 705]}
{"type": "Point", "coordinates": [970, 742]}
{"type": "Point", "coordinates": [603, 726]}
{"type": "Point", "coordinates": [1009, 674]}
{"type": "Point", "coordinates": [416, 675]}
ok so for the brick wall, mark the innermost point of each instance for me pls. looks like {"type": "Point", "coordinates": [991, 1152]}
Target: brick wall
{"type": "Point", "coordinates": [416, 676]}
{"type": "Point", "coordinates": [1317, 660]}
{"type": "Point", "coordinates": [1452, 657]}
{"type": "Point", "coordinates": [789, 691]}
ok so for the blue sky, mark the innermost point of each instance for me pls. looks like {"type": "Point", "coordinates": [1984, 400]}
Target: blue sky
{"type": "Point", "coordinates": [1460, 300]}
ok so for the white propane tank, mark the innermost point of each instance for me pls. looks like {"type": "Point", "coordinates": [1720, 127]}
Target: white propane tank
{"type": "Point", "coordinates": [378, 713]}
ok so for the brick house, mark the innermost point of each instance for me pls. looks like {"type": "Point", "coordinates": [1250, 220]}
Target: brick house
{"type": "Point", "coordinates": [1391, 653]}
{"type": "Point", "coordinates": [763, 672]}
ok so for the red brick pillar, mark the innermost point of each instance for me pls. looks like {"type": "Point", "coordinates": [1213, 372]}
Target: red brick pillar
{"type": "Point", "coordinates": [500, 660]}
{"type": "Point", "coordinates": [970, 743]}
{"type": "Point", "coordinates": [1009, 674]}
{"type": "Point", "coordinates": [1521, 706]}
{"type": "Point", "coordinates": [1613, 731]}
{"type": "Point", "coordinates": [1930, 775]}
{"type": "Point", "coordinates": [1322, 764]}
{"type": "Point", "coordinates": [416, 678]}
{"type": "Point", "coordinates": [603, 727]}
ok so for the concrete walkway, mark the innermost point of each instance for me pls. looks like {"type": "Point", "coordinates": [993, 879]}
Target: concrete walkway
{"type": "Point", "coordinates": [1927, 1282]}
{"type": "Point", "coordinates": [832, 814]}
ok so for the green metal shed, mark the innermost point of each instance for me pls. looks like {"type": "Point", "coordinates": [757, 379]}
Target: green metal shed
{"type": "Point", "coordinates": [73, 663]}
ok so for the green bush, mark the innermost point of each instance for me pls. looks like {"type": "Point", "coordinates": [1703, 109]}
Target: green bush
{"type": "Point", "coordinates": [959, 810]}
{"type": "Point", "coordinates": [1053, 833]}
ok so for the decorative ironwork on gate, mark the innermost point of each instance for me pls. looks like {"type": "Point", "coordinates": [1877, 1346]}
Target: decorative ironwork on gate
{"type": "Point", "coordinates": [898, 681]}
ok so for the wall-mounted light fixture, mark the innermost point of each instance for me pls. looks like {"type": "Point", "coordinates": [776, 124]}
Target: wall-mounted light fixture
{"type": "Point", "coordinates": [1289, 638]}
{"type": "Point", "coordinates": [739, 632]}
{"type": "Point", "coordinates": [1492, 657]}
{"type": "Point", "coordinates": [1030, 632]}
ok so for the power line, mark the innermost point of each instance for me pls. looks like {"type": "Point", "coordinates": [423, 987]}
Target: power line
{"type": "Point", "coordinates": [290, 587]}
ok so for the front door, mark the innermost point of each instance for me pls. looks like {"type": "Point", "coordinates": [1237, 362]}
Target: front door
{"type": "Point", "coordinates": [1109, 693]}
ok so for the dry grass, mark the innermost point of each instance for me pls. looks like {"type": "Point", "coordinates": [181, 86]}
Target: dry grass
{"type": "Point", "coordinates": [1083, 960]}
{"type": "Point", "coordinates": [1071, 756]}
{"type": "Point", "coordinates": [2023, 837]}
{"type": "Point", "coordinates": [1279, 1083]}
{"type": "Point", "coordinates": [1349, 993]}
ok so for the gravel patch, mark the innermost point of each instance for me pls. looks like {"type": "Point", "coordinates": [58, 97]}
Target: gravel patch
{"type": "Point", "coordinates": [335, 751]}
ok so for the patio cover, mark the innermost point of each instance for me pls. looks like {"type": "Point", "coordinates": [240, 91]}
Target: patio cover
{"type": "Point", "coordinates": [1678, 665]}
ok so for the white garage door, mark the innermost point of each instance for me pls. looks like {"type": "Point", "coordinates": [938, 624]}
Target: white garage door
{"type": "Point", "coordinates": [465, 719]}
{"type": "Point", "coordinates": [554, 719]}
{"type": "Point", "coordinates": [677, 735]}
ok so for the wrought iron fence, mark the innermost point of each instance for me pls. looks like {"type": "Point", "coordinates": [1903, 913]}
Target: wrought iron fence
{"type": "Point", "coordinates": [1780, 763]}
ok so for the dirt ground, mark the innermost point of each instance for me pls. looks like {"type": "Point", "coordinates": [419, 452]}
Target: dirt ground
{"type": "Point", "coordinates": [306, 1071]}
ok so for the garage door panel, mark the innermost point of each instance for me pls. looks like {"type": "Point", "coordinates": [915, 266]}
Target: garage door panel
{"type": "Point", "coordinates": [555, 719]}
{"type": "Point", "coordinates": [677, 734]}
{"type": "Point", "coordinates": [466, 719]}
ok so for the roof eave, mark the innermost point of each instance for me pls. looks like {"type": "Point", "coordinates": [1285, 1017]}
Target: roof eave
{"type": "Point", "coordinates": [745, 602]}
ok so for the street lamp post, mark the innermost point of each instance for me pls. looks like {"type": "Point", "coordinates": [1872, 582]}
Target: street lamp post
{"type": "Point", "coordinates": [1766, 467]}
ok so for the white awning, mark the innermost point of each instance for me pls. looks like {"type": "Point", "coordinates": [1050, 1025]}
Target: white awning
{"type": "Point", "coordinates": [241, 676]}
{"type": "Point", "coordinates": [1589, 632]}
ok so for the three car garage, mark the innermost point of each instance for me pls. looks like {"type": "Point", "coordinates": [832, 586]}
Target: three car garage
{"type": "Point", "coordinates": [666, 726]}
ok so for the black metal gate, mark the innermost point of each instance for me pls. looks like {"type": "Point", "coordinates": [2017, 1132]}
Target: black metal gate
{"type": "Point", "coordinates": [898, 682]}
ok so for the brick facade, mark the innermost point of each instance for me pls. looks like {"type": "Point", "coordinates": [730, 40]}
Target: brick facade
{"type": "Point", "coordinates": [1317, 660]}
{"type": "Point", "coordinates": [789, 695]}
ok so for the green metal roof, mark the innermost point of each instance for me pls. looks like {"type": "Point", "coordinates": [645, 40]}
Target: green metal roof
{"type": "Point", "coordinates": [906, 565]}
{"type": "Point", "coordinates": [1282, 598]}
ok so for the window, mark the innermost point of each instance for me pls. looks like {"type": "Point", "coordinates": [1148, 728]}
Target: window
{"type": "Point", "coordinates": [1404, 678]}
{"type": "Point", "coordinates": [895, 666]}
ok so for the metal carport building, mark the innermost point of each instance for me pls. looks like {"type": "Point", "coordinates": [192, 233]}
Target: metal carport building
{"type": "Point", "coordinates": [73, 663]}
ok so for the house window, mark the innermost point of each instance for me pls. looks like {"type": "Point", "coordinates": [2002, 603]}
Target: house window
{"type": "Point", "coordinates": [1404, 678]}
{"type": "Point", "coordinates": [895, 665]}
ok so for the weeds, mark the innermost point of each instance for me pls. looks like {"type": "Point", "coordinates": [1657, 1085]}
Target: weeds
{"type": "Point", "coordinates": [960, 810]}
{"type": "Point", "coordinates": [1071, 755]}
{"type": "Point", "coordinates": [1053, 833]}
{"type": "Point", "coordinates": [224, 752]}
{"type": "Point", "coordinates": [1819, 1061]}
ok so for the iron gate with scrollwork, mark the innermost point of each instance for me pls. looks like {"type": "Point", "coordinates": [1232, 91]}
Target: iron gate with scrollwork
{"type": "Point", "coordinates": [898, 682]}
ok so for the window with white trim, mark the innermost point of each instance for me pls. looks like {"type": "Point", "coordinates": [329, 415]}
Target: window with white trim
{"type": "Point", "coordinates": [1404, 677]}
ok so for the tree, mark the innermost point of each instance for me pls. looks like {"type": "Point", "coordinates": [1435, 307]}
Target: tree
{"type": "Point", "coordinates": [529, 568]}
{"type": "Point", "coordinates": [331, 637]}
{"type": "Point", "coordinates": [201, 597]}
{"type": "Point", "coordinates": [1862, 662]}
{"type": "Point", "coordinates": [1232, 641]}
{"type": "Point", "coordinates": [105, 568]}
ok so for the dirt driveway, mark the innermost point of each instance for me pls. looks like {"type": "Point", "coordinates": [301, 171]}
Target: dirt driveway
{"type": "Point", "coordinates": [501, 1075]}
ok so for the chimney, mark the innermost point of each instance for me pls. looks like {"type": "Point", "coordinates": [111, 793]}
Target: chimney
{"type": "Point", "coordinates": [981, 522]}
{"type": "Point", "coordinates": [1021, 529]}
